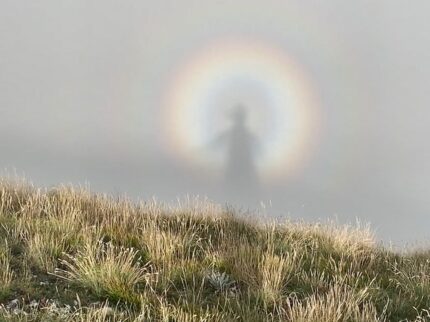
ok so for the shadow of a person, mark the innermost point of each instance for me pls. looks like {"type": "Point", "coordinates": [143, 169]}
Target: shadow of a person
{"type": "Point", "coordinates": [241, 182]}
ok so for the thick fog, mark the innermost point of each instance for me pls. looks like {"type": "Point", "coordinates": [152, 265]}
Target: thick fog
{"type": "Point", "coordinates": [86, 88]}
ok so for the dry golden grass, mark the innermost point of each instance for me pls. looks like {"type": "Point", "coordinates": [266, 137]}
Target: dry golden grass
{"type": "Point", "coordinates": [192, 262]}
{"type": "Point", "coordinates": [340, 303]}
{"type": "Point", "coordinates": [108, 270]}
{"type": "Point", "coordinates": [6, 273]}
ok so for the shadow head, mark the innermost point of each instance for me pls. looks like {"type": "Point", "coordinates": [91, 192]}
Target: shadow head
{"type": "Point", "coordinates": [239, 115]}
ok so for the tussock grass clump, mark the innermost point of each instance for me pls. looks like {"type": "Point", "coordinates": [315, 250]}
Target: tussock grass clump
{"type": "Point", "coordinates": [6, 272]}
{"type": "Point", "coordinates": [69, 255]}
{"type": "Point", "coordinates": [340, 303]}
{"type": "Point", "coordinates": [114, 272]}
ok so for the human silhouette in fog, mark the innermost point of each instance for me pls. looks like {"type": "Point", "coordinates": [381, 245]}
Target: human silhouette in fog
{"type": "Point", "coordinates": [241, 183]}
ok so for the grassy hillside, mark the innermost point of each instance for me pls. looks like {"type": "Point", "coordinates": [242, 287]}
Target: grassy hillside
{"type": "Point", "coordinates": [69, 255]}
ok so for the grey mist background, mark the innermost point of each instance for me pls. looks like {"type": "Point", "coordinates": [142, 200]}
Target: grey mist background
{"type": "Point", "coordinates": [81, 84]}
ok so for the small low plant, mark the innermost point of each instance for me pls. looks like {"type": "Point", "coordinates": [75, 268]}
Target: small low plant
{"type": "Point", "coordinates": [221, 282]}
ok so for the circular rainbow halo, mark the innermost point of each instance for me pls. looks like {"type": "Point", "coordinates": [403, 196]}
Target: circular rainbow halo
{"type": "Point", "coordinates": [280, 101]}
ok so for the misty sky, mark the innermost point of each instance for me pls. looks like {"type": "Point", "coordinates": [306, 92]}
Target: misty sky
{"type": "Point", "coordinates": [82, 85]}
